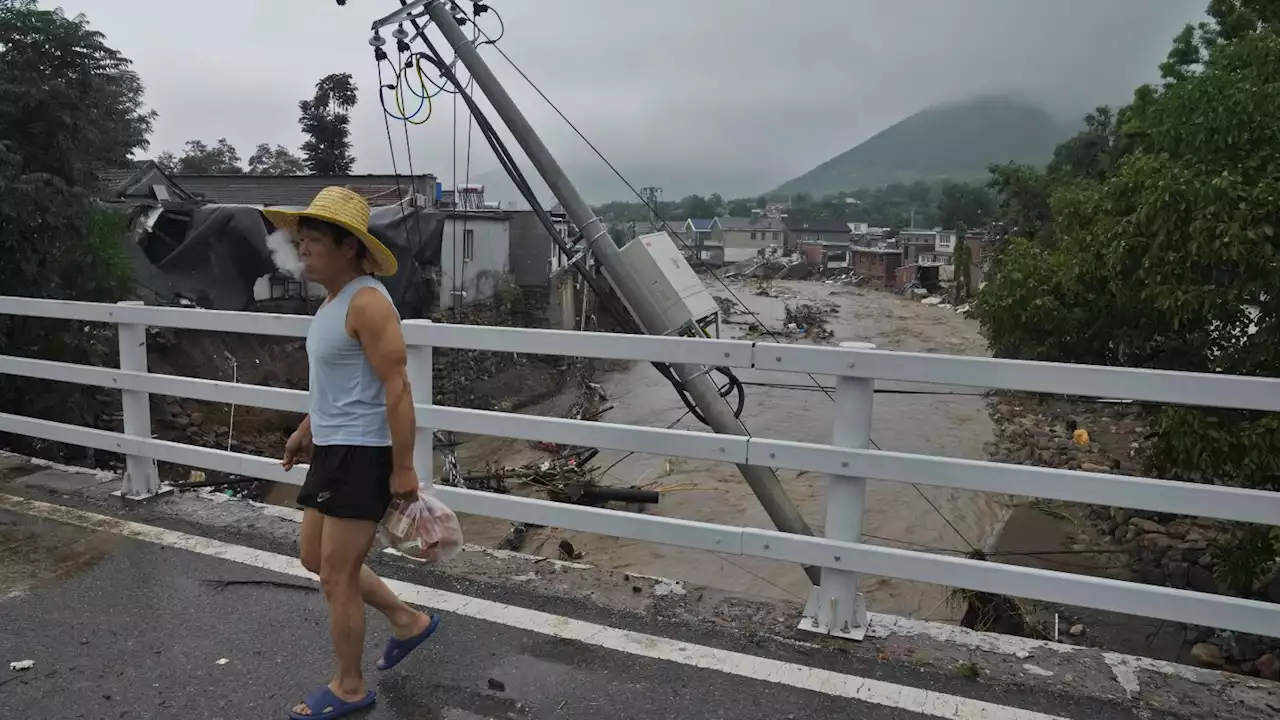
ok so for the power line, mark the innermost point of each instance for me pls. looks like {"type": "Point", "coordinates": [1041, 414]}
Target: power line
{"type": "Point", "coordinates": [696, 255]}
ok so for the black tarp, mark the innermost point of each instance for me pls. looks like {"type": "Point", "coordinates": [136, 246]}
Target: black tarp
{"type": "Point", "coordinates": [224, 252]}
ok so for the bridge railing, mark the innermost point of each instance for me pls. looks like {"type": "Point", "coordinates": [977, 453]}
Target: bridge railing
{"type": "Point", "coordinates": [834, 607]}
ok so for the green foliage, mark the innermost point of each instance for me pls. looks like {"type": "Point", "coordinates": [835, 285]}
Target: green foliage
{"type": "Point", "coordinates": [55, 240]}
{"type": "Point", "coordinates": [961, 260]}
{"type": "Point", "coordinates": [326, 121]}
{"type": "Point", "coordinates": [267, 160]}
{"type": "Point", "coordinates": [69, 104]}
{"type": "Point", "coordinates": [1158, 249]}
{"type": "Point", "coordinates": [202, 159]}
{"type": "Point", "coordinates": [955, 141]}
{"type": "Point", "coordinates": [972, 205]}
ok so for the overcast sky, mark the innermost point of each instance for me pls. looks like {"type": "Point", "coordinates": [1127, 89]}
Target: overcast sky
{"type": "Point", "coordinates": [734, 96]}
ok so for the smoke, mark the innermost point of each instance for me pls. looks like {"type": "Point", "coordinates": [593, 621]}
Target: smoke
{"type": "Point", "coordinates": [284, 254]}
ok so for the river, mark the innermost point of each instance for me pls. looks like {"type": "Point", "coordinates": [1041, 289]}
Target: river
{"type": "Point", "coordinates": [897, 515]}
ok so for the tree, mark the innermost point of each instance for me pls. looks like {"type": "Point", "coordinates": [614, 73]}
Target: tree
{"type": "Point", "coordinates": [1093, 153]}
{"type": "Point", "coordinates": [267, 160]}
{"type": "Point", "coordinates": [964, 203]}
{"type": "Point", "coordinates": [326, 123]}
{"type": "Point", "coordinates": [1168, 257]}
{"type": "Point", "coordinates": [1022, 200]}
{"type": "Point", "coordinates": [739, 208]}
{"type": "Point", "coordinates": [696, 206]}
{"type": "Point", "coordinates": [167, 161]}
{"type": "Point", "coordinates": [201, 159]}
{"type": "Point", "coordinates": [60, 80]}
{"type": "Point", "coordinates": [55, 240]}
{"type": "Point", "coordinates": [960, 264]}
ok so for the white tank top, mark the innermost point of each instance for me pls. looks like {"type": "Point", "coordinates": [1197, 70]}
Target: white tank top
{"type": "Point", "coordinates": [348, 403]}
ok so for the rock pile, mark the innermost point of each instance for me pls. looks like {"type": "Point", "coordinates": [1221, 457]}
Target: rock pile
{"type": "Point", "coordinates": [1166, 550]}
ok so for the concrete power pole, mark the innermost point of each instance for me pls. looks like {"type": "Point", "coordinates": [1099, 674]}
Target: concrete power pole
{"type": "Point", "coordinates": [701, 388]}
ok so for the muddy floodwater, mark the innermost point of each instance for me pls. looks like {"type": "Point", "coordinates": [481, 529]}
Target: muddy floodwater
{"type": "Point", "coordinates": [954, 425]}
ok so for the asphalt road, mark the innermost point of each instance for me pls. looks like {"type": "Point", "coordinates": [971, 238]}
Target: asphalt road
{"type": "Point", "coordinates": [121, 628]}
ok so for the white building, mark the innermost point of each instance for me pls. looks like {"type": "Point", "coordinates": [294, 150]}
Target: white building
{"type": "Point", "coordinates": [475, 255]}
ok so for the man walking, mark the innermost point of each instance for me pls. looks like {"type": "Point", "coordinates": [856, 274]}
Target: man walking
{"type": "Point", "coordinates": [360, 428]}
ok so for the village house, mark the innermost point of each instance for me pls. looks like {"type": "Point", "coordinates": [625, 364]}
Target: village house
{"type": "Point", "coordinates": [866, 235]}
{"type": "Point", "coordinates": [823, 243]}
{"type": "Point", "coordinates": [697, 235]}
{"type": "Point", "coordinates": [298, 190]}
{"type": "Point", "coordinates": [878, 264]}
{"type": "Point", "coordinates": [916, 242]}
{"type": "Point", "coordinates": [743, 238]}
{"type": "Point", "coordinates": [944, 247]}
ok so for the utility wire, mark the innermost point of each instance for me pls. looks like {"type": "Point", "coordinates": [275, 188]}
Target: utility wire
{"type": "Point", "coordinates": [694, 254]}
{"type": "Point", "coordinates": [638, 195]}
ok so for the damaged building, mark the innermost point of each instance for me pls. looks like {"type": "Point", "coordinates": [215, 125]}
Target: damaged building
{"type": "Point", "coordinates": [201, 240]}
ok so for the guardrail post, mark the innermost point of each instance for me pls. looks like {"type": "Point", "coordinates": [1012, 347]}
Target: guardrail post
{"type": "Point", "coordinates": [836, 607]}
{"type": "Point", "coordinates": [420, 380]}
{"type": "Point", "coordinates": [141, 479]}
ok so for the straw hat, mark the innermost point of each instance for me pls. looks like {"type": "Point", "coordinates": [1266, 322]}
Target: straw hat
{"type": "Point", "coordinates": [348, 210]}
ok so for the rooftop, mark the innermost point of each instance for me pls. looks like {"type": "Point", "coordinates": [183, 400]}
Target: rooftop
{"type": "Point", "coordinates": [299, 190]}
{"type": "Point", "coordinates": [749, 223]}
{"type": "Point", "coordinates": [817, 225]}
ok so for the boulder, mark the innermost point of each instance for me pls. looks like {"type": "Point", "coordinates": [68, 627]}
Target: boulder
{"type": "Point", "coordinates": [197, 419]}
{"type": "Point", "coordinates": [1156, 541]}
{"type": "Point", "coordinates": [1242, 646]}
{"type": "Point", "coordinates": [1201, 580]}
{"type": "Point", "coordinates": [1207, 655]}
{"type": "Point", "coordinates": [1147, 526]}
{"type": "Point", "coordinates": [1268, 667]}
{"type": "Point", "coordinates": [1179, 574]}
{"type": "Point", "coordinates": [1094, 468]}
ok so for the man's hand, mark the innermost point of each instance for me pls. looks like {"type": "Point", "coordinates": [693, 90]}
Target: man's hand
{"type": "Point", "coordinates": [404, 483]}
{"type": "Point", "coordinates": [299, 444]}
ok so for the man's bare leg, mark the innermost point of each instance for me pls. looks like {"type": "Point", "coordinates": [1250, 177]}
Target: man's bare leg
{"type": "Point", "coordinates": [405, 621]}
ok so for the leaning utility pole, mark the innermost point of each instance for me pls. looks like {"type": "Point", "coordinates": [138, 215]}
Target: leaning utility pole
{"type": "Point", "coordinates": [701, 388]}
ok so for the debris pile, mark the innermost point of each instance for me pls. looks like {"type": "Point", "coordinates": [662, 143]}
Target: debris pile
{"type": "Point", "coordinates": [788, 268]}
{"type": "Point", "coordinates": [810, 319]}
{"type": "Point", "coordinates": [800, 321]}
{"type": "Point", "coordinates": [728, 308]}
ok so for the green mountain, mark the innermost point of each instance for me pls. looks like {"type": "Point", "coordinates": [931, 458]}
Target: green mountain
{"type": "Point", "coordinates": [955, 141]}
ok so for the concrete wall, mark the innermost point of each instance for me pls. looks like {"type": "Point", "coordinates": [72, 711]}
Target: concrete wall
{"type": "Point", "coordinates": [532, 250]}
{"type": "Point", "coordinates": [479, 276]}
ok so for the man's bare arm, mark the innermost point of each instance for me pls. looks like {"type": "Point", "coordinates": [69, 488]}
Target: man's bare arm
{"type": "Point", "coordinates": [372, 321]}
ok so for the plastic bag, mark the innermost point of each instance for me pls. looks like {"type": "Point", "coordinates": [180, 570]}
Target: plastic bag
{"type": "Point", "coordinates": [424, 529]}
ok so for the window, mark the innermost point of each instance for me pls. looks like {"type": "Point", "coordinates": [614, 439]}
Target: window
{"type": "Point", "coordinates": [775, 237]}
{"type": "Point", "coordinates": [753, 234]}
{"type": "Point", "coordinates": [468, 245]}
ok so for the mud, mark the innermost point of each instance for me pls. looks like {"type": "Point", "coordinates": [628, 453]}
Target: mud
{"type": "Point", "coordinates": [954, 425]}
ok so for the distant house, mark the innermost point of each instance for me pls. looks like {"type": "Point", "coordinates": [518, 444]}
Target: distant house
{"type": "Point", "coordinates": [865, 234]}
{"type": "Point", "coordinates": [916, 242]}
{"type": "Point", "coordinates": [697, 237]}
{"type": "Point", "coordinates": [298, 190]}
{"type": "Point", "coordinates": [832, 234]}
{"type": "Point", "coordinates": [878, 264]}
{"type": "Point", "coordinates": [144, 183]}
{"type": "Point", "coordinates": [743, 238]}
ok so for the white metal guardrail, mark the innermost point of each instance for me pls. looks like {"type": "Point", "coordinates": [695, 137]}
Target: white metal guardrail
{"type": "Point", "coordinates": [833, 607]}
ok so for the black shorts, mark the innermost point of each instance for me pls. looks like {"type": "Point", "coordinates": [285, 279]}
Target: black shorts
{"type": "Point", "coordinates": [348, 481]}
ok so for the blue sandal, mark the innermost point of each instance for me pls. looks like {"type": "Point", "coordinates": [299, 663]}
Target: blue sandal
{"type": "Point", "coordinates": [398, 649]}
{"type": "Point", "coordinates": [324, 704]}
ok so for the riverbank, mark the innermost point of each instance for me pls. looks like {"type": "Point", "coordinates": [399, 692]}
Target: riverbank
{"type": "Point", "coordinates": [1117, 543]}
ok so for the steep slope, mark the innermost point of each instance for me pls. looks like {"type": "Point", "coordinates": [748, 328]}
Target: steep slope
{"type": "Point", "coordinates": [956, 140]}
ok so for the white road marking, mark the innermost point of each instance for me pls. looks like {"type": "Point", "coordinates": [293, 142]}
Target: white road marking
{"type": "Point", "coordinates": [877, 692]}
